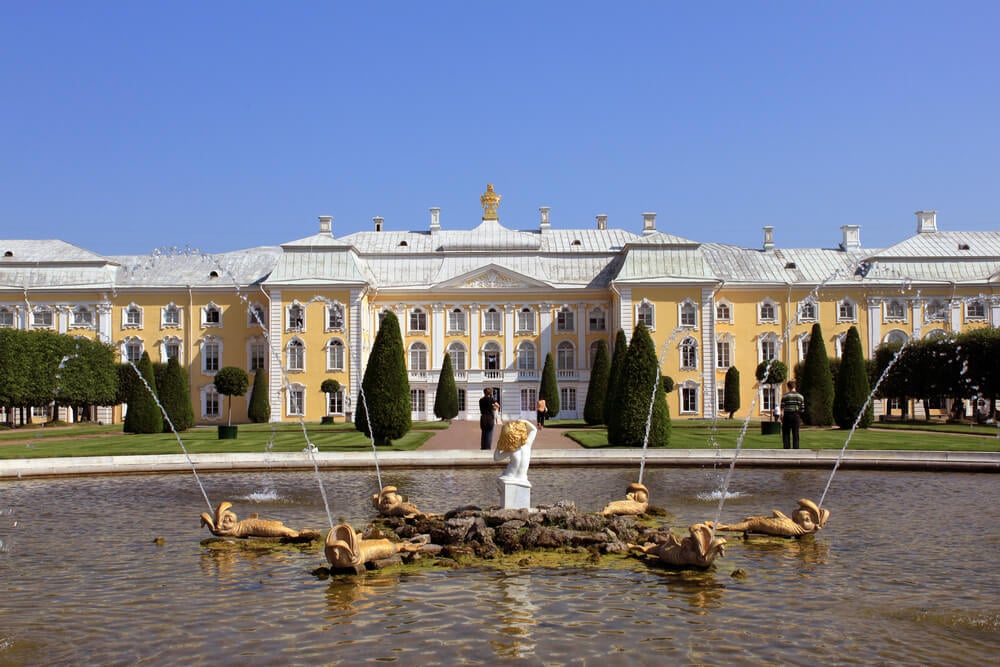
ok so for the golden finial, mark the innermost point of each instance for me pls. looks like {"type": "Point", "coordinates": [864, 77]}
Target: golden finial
{"type": "Point", "coordinates": [490, 201]}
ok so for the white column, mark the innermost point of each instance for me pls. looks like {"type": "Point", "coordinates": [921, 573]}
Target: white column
{"type": "Point", "coordinates": [956, 315]}
{"type": "Point", "coordinates": [994, 305]}
{"type": "Point", "coordinates": [625, 315]}
{"type": "Point", "coordinates": [582, 353]}
{"type": "Point", "coordinates": [62, 322]}
{"type": "Point", "coordinates": [709, 396]}
{"type": "Point", "coordinates": [874, 324]}
{"type": "Point", "coordinates": [274, 362]}
{"type": "Point", "coordinates": [475, 326]}
{"type": "Point", "coordinates": [104, 322]}
{"type": "Point", "coordinates": [437, 334]}
{"type": "Point", "coordinates": [509, 326]}
{"type": "Point", "coordinates": [545, 332]}
{"type": "Point", "coordinates": [917, 313]}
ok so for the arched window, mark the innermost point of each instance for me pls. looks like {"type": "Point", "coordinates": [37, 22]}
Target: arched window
{"type": "Point", "coordinates": [418, 357]}
{"type": "Point", "coordinates": [896, 337]}
{"type": "Point", "coordinates": [457, 353]}
{"type": "Point", "coordinates": [526, 356]}
{"type": "Point", "coordinates": [565, 356]}
{"type": "Point", "coordinates": [689, 354]}
{"type": "Point", "coordinates": [491, 356]}
{"type": "Point", "coordinates": [335, 355]}
{"type": "Point", "coordinates": [688, 313]}
{"type": "Point", "coordinates": [296, 355]}
{"type": "Point", "coordinates": [644, 314]}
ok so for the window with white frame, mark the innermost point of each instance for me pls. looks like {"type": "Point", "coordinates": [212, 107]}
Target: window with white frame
{"type": "Point", "coordinates": [335, 403]}
{"type": "Point", "coordinates": [803, 346]}
{"type": "Point", "coordinates": [295, 355]}
{"type": "Point", "coordinates": [689, 354]}
{"type": "Point", "coordinates": [335, 317]}
{"type": "Point", "coordinates": [83, 317]}
{"type": "Point", "coordinates": [529, 400]}
{"type": "Point", "coordinates": [296, 317]}
{"type": "Point", "coordinates": [768, 347]}
{"type": "Point", "coordinates": [592, 353]}
{"type": "Point", "coordinates": [937, 310]}
{"type": "Point", "coordinates": [567, 399]}
{"type": "Point", "coordinates": [258, 355]}
{"type": "Point", "coordinates": [457, 353]}
{"type": "Point", "coordinates": [461, 400]}
{"type": "Point", "coordinates": [418, 357]}
{"type": "Point", "coordinates": [132, 316]}
{"type": "Point", "coordinates": [808, 311]}
{"type": "Point", "coordinates": [975, 310]}
{"type": "Point", "coordinates": [210, 402]}
{"type": "Point", "coordinates": [296, 400]}
{"type": "Point", "coordinates": [723, 353]}
{"type": "Point", "coordinates": [768, 398]}
{"type": "Point", "coordinates": [6, 318]}
{"type": "Point", "coordinates": [847, 311]}
{"type": "Point", "coordinates": [895, 311]}
{"type": "Point", "coordinates": [170, 316]}
{"type": "Point", "coordinates": [492, 321]}
{"type": "Point", "coordinates": [526, 321]}
{"type": "Point", "coordinates": [598, 319]}
{"type": "Point", "coordinates": [838, 345]}
{"type": "Point", "coordinates": [42, 318]}
{"type": "Point", "coordinates": [133, 349]}
{"type": "Point", "coordinates": [211, 354]}
{"type": "Point", "coordinates": [688, 313]}
{"type": "Point", "coordinates": [172, 348]}
{"type": "Point", "coordinates": [211, 315]}
{"type": "Point", "coordinates": [335, 355]}
{"type": "Point", "coordinates": [724, 311]}
{"type": "Point", "coordinates": [491, 356]}
{"type": "Point", "coordinates": [256, 316]}
{"type": "Point", "coordinates": [565, 321]}
{"type": "Point", "coordinates": [565, 356]}
{"type": "Point", "coordinates": [418, 320]}
{"type": "Point", "coordinates": [767, 311]}
{"type": "Point", "coordinates": [720, 397]}
{"type": "Point", "coordinates": [689, 398]}
{"type": "Point", "coordinates": [456, 321]}
{"type": "Point", "coordinates": [418, 400]}
{"type": "Point", "coordinates": [526, 356]}
{"type": "Point", "coordinates": [896, 337]}
{"type": "Point", "coordinates": [644, 314]}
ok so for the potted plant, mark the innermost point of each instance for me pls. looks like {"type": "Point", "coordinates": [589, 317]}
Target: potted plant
{"type": "Point", "coordinates": [329, 386]}
{"type": "Point", "coordinates": [771, 372]}
{"type": "Point", "coordinates": [231, 381]}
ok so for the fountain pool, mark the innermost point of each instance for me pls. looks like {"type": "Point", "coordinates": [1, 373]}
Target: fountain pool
{"type": "Point", "coordinates": [907, 571]}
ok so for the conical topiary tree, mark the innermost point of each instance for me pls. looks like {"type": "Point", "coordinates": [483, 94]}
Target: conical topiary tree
{"type": "Point", "coordinates": [852, 385]}
{"type": "Point", "coordinates": [614, 373]}
{"type": "Point", "coordinates": [446, 400]}
{"type": "Point", "coordinates": [597, 389]}
{"type": "Point", "coordinates": [176, 397]}
{"type": "Point", "coordinates": [816, 382]}
{"type": "Point", "coordinates": [143, 414]}
{"type": "Point", "coordinates": [259, 410]}
{"type": "Point", "coordinates": [549, 389]}
{"type": "Point", "coordinates": [383, 408]}
{"type": "Point", "coordinates": [732, 391]}
{"type": "Point", "coordinates": [231, 381]}
{"type": "Point", "coordinates": [632, 402]}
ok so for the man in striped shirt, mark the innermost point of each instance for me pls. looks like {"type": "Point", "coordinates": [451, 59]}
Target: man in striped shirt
{"type": "Point", "coordinates": [793, 404]}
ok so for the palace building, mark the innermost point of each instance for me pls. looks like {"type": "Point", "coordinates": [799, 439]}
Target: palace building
{"type": "Point", "coordinates": [498, 300]}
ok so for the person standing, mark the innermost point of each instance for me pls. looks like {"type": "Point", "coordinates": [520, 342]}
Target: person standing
{"type": "Point", "coordinates": [540, 411]}
{"type": "Point", "coordinates": [793, 404]}
{"type": "Point", "coordinates": [487, 418]}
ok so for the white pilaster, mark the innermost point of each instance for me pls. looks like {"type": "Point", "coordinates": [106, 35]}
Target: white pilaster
{"type": "Point", "coordinates": [275, 374]}
{"type": "Point", "coordinates": [509, 326]}
{"type": "Point", "coordinates": [874, 324]}
{"type": "Point", "coordinates": [544, 331]}
{"type": "Point", "coordinates": [437, 335]}
{"type": "Point", "coordinates": [582, 353]}
{"type": "Point", "coordinates": [709, 396]}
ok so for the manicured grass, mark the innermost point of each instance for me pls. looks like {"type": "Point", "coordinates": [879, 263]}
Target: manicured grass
{"type": "Point", "coordinates": [89, 440]}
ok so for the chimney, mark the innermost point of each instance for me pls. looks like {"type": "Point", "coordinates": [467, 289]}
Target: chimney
{"type": "Point", "coordinates": [648, 223]}
{"type": "Point", "coordinates": [926, 222]}
{"type": "Point", "coordinates": [852, 237]}
{"type": "Point", "coordinates": [768, 237]}
{"type": "Point", "coordinates": [378, 220]}
{"type": "Point", "coordinates": [602, 221]}
{"type": "Point", "coordinates": [326, 224]}
{"type": "Point", "coordinates": [544, 225]}
{"type": "Point", "coordinates": [435, 220]}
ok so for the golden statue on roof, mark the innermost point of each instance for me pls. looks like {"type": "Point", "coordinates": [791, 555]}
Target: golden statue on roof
{"type": "Point", "coordinates": [490, 200]}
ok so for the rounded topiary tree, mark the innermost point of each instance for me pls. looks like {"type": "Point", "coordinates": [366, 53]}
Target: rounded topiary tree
{"type": "Point", "coordinates": [771, 372]}
{"type": "Point", "coordinates": [259, 410]}
{"type": "Point", "coordinates": [816, 381]}
{"type": "Point", "coordinates": [446, 400]}
{"type": "Point", "coordinates": [176, 397]}
{"type": "Point", "coordinates": [732, 391]}
{"type": "Point", "coordinates": [143, 414]}
{"type": "Point", "coordinates": [549, 389]}
{"type": "Point", "coordinates": [231, 381]}
{"type": "Point", "coordinates": [632, 402]}
{"type": "Point", "coordinates": [852, 385]}
{"type": "Point", "coordinates": [597, 389]}
{"type": "Point", "coordinates": [383, 408]}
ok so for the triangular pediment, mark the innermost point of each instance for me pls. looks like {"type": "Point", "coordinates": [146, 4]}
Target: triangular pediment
{"type": "Point", "coordinates": [492, 277]}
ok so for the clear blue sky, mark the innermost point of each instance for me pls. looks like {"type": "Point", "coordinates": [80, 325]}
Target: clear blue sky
{"type": "Point", "coordinates": [128, 126]}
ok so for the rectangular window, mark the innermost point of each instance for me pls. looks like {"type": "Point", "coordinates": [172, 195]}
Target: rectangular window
{"type": "Point", "coordinates": [567, 399]}
{"type": "Point", "coordinates": [526, 321]}
{"type": "Point", "coordinates": [335, 406]}
{"type": "Point", "coordinates": [258, 356]}
{"type": "Point", "coordinates": [768, 350]}
{"type": "Point", "coordinates": [211, 403]}
{"type": "Point", "coordinates": [461, 400]}
{"type": "Point", "coordinates": [598, 320]}
{"type": "Point", "coordinates": [418, 400]}
{"type": "Point", "coordinates": [418, 320]}
{"type": "Point", "coordinates": [335, 317]}
{"type": "Point", "coordinates": [529, 400]}
{"type": "Point", "coordinates": [296, 402]}
{"type": "Point", "coordinates": [171, 316]}
{"type": "Point", "coordinates": [83, 318]}
{"type": "Point", "coordinates": [42, 319]}
{"type": "Point", "coordinates": [689, 399]}
{"type": "Point", "coordinates": [767, 399]}
{"type": "Point", "coordinates": [456, 321]}
{"type": "Point", "coordinates": [210, 357]}
{"type": "Point", "coordinates": [492, 321]}
{"type": "Point", "coordinates": [133, 317]}
{"type": "Point", "coordinates": [722, 354]}
{"type": "Point", "coordinates": [213, 315]}
{"type": "Point", "coordinates": [720, 394]}
{"type": "Point", "coordinates": [564, 321]}
{"type": "Point", "coordinates": [173, 349]}
{"type": "Point", "coordinates": [6, 318]}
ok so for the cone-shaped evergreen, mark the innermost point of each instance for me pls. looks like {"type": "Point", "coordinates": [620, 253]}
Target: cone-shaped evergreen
{"type": "Point", "coordinates": [259, 410]}
{"type": "Point", "coordinates": [852, 385]}
{"type": "Point", "coordinates": [549, 389]}
{"type": "Point", "coordinates": [446, 401]}
{"type": "Point", "coordinates": [231, 381]}
{"type": "Point", "coordinates": [816, 382]}
{"type": "Point", "coordinates": [597, 389]}
{"type": "Point", "coordinates": [385, 389]}
{"type": "Point", "coordinates": [732, 392]}
{"type": "Point", "coordinates": [143, 414]}
{"type": "Point", "coordinates": [640, 374]}
{"type": "Point", "coordinates": [176, 398]}
{"type": "Point", "coordinates": [617, 359]}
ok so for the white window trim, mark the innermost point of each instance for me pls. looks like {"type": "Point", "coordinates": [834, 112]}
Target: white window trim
{"type": "Point", "coordinates": [604, 318]}
{"type": "Point", "coordinates": [125, 311]}
{"type": "Point", "coordinates": [454, 331]}
{"type": "Point", "coordinates": [526, 312]}
{"type": "Point", "coordinates": [974, 318]}
{"type": "Point", "coordinates": [295, 341]}
{"type": "Point", "coordinates": [729, 305]}
{"type": "Point", "coordinates": [252, 321]}
{"type": "Point", "coordinates": [205, 342]}
{"type": "Point", "coordinates": [815, 305]}
{"type": "Point", "coordinates": [207, 390]}
{"type": "Point", "coordinates": [854, 310]}
{"type": "Point", "coordinates": [330, 308]}
{"type": "Point", "coordinates": [465, 356]}
{"type": "Point", "coordinates": [562, 345]}
{"type": "Point", "coordinates": [652, 313]}
{"type": "Point", "coordinates": [525, 345]}
{"type": "Point", "coordinates": [769, 336]}
{"type": "Point", "coordinates": [330, 344]}
{"type": "Point", "coordinates": [687, 341]}
{"type": "Point", "coordinates": [886, 317]}
{"type": "Point", "coordinates": [680, 311]}
{"type": "Point", "coordinates": [567, 311]}
{"type": "Point", "coordinates": [768, 301]}
{"type": "Point", "coordinates": [729, 341]}
{"type": "Point", "coordinates": [409, 322]}
{"type": "Point", "coordinates": [290, 324]}
{"type": "Point", "coordinates": [688, 385]}
{"type": "Point", "coordinates": [293, 389]}
{"type": "Point", "coordinates": [414, 346]}
{"type": "Point", "coordinates": [211, 305]}
{"type": "Point", "coordinates": [499, 316]}
{"type": "Point", "coordinates": [171, 307]}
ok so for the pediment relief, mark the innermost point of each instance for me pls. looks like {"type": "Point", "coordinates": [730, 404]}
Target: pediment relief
{"type": "Point", "coordinates": [492, 277]}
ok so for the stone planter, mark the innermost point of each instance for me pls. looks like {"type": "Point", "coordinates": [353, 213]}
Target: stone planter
{"type": "Point", "coordinates": [770, 428]}
{"type": "Point", "coordinates": [227, 432]}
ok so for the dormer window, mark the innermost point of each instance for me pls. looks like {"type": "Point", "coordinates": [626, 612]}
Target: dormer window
{"type": "Point", "coordinates": [213, 274]}
{"type": "Point", "coordinates": [211, 315]}
{"type": "Point", "coordinates": [963, 246]}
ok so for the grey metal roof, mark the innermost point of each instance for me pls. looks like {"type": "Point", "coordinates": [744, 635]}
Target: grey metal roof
{"type": "Point", "coordinates": [980, 245]}
{"type": "Point", "coordinates": [194, 269]}
{"type": "Point", "coordinates": [334, 265]}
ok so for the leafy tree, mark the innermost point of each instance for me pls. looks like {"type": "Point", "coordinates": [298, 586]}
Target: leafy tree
{"type": "Point", "coordinates": [385, 389]}
{"type": "Point", "coordinates": [617, 360]}
{"type": "Point", "coordinates": [549, 389]}
{"type": "Point", "coordinates": [446, 400]}
{"type": "Point", "coordinates": [143, 414]}
{"type": "Point", "coordinates": [15, 371]}
{"type": "Point", "coordinates": [641, 368]}
{"type": "Point", "coordinates": [259, 410]}
{"type": "Point", "coordinates": [231, 381]}
{"type": "Point", "coordinates": [597, 389]}
{"type": "Point", "coordinates": [732, 391]}
{"type": "Point", "coordinates": [771, 372]}
{"type": "Point", "coordinates": [176, 397]}
{"type": "Point", "coordinates": [816, 381]}
{"type": "Point", "coordinates": [852, 385]}
{"type": "Point", "coordinates": [329, 386]}
{"type": "Point", "coordinates": [895, 384]}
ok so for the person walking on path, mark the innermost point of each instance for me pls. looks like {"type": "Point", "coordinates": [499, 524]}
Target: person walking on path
{"type": "Point", "coordinates": [793, 404]}
{"type": "Point", "coordinates": [540, 412]}
{"type": "Point", "coordinates": [487, 418]}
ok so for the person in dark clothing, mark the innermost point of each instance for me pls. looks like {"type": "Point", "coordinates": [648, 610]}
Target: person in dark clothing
{"type": "Point", "coordinates": [793, 404]}
{"type": "Point", "coordinates": [487, 418]}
